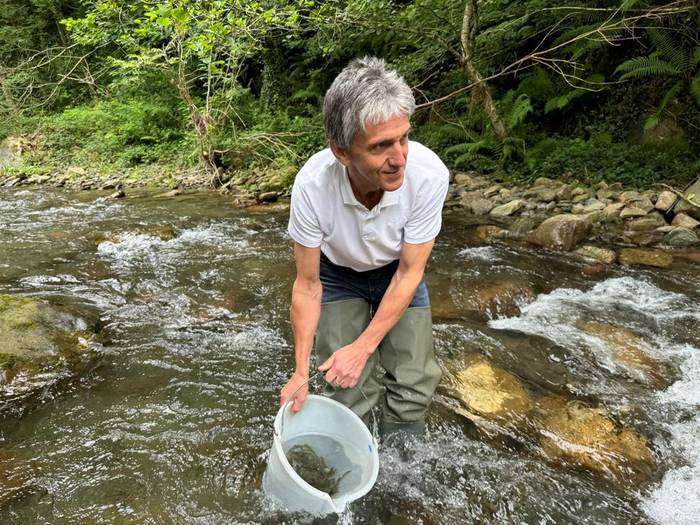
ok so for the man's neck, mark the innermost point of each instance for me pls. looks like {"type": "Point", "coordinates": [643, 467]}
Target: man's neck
{"type": "Point", "coordinates": [369, 199]}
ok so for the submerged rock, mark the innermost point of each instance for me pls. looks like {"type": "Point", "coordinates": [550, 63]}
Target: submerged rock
{"type": "Point", "coordinates": [588, 437]}
{"type": "Point", "coordinates": [626, 349]}
{"type": "Point", "coordinates": [492, 393]}
{"type": "Point", "coordinates": [488, 231]}
{"type": "Point", "coordinates": [494, 298]}
{"type": "Point", "coordinates": [39, 345]}
{"type": "Point", "coordinates": [561, 232]}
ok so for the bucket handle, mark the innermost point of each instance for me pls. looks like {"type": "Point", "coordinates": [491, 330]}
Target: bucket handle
{"type": "Point", "coordinates": [375, 432]}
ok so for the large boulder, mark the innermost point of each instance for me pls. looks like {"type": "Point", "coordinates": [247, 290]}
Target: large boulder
{"type": "Point", "coordinates": [482, 301]}
{"type": "Point", "coordinates": [40, 347]}
{"type": "Point", "coordinates": [627, 351]}
{"type": "Point", "coordinates": [588, 437]}
{"type": "Point", "coordinates": [492, 393]}
{"type": "Point", "coordinates": [561, 232]}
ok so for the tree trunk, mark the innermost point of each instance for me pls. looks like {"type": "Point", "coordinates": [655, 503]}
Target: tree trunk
{"type": "Point", "coordinates": [482, 93]}
{"type": "Point", "coordinates": [200, 122]}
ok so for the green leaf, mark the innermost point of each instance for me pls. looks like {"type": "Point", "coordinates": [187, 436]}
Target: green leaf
{"type": "Point", "coordinates": [651, 122]}
{"type": "Point", "coordinates": [164, 21]}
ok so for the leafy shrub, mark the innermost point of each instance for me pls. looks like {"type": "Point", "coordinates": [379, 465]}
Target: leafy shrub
{"type": "Point", "coordinates": [119, 132]}
{"type": "Point", "coordinates": [601, 159]}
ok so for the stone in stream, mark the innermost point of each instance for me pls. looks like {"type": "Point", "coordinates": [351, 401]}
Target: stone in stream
{"type": "Point", "coordinates": [634, 257]}
{"type": "Point", "coordinates": [314, 469]}
{"type": "Point", "coordinates": [561, 232]}
{"type": "Point", "coordinates": [649, 222]}
{"type": "Point", "coordinates": [665, 201]}
{"type": "Point", "coordinates": [492, 393]}
{"type": "Point", "coordinates": [586, 437]}
{"type": "Point", "coordinates": [507, 209]}
{"type": "Point", "coordinates": [480, 206]}
{"type": "Point", "coordinates": [39, 346]}
{"type": "Point", "coordinates": [613, 210]}
{"type": "Point", "coordinates": [488, 231]}
{"type": "Point", "coordinates": [597, 254]}
{"type": "Point", "coordinates": [685, 221]}
{"type": "Point", "coordinates": [493, 298]}
{"type": "Point", "coordinates": [632, 211]}
{"type": "Point", "coordinates": [681, 237]}
{"type": "Point", "coordinates": [627, 350]}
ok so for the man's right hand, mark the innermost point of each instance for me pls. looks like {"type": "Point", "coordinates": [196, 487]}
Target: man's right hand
{"type": "Point", "coordinates": [293, 384]}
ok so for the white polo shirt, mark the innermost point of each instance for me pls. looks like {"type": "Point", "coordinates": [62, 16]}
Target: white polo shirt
{"type": "Point", "coordinates": [325, 213]}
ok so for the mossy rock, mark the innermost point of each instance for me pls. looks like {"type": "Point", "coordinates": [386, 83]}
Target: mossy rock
{"type": "Point", "coordinates": [37, 350]}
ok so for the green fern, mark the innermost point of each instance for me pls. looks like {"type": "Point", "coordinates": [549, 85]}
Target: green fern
{"type": "Point", "coordinates": [649, 66]}
{"type": "Point", "coordinates": [654, 120]}
{"type": "Point", "coordinates": [518, 111]}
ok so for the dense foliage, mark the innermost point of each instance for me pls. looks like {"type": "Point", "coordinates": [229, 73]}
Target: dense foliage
{"type": "Point", "coordinates": [598, 90]}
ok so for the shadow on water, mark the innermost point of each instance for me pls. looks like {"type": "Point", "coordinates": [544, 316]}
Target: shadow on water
{"type": "Point", "coordinates": [191, 299]}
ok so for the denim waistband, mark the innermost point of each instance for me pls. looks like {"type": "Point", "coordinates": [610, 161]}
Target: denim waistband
{"type": "Point", "coordinates": [340, 283]}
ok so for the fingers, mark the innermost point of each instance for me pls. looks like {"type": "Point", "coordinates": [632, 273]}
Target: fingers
{"type": "Point", "coordinates": [327, 364]}
{"type": "Point", "coordinates": [298, 402]}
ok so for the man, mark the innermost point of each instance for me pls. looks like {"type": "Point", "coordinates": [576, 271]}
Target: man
{"type": "Point", "coordinates": [364, 216]}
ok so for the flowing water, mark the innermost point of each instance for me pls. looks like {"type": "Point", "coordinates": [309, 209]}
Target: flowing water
{"type": "Point", "coordinates": [175, 423]}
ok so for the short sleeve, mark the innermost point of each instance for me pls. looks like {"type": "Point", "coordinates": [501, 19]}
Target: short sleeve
{"type": "Point", "coordinates": [303, 226]}
{"type": "Point", "coordinates": [426, 218]}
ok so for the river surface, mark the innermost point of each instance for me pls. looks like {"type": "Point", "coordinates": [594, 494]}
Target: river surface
{"type": "Point", "coordinates": [175, 424]}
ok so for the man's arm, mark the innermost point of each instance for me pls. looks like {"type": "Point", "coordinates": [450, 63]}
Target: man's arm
{"type": "Point", "coordinates": [304, 315]}
{"type": "Point", "coordinates": [344, 367]}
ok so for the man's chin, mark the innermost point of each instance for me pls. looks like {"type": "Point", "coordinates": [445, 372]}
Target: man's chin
{"type": "Point", "coordinates": [393, 183]}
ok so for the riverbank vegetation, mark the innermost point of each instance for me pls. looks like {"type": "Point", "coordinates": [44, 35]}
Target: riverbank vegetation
{"type": "Point", "coordinates": [217, 90]}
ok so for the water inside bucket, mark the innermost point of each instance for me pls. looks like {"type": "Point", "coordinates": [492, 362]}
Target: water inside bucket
{"type": "Point", "coordinates": [328, 464]}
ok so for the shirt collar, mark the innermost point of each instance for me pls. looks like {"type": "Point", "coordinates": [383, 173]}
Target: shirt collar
{"type": "Point", "coordinates": [389, 198]}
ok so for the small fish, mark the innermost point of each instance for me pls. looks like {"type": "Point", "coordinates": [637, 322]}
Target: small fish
{"type": "Point", "coordinates": [313, 469]}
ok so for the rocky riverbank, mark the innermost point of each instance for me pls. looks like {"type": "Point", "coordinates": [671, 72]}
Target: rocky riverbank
{"type": "Point", "coordinates": [561, 216]}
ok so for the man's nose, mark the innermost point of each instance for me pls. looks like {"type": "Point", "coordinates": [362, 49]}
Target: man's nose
{"type": "Point", "coordinates": [397, 155]}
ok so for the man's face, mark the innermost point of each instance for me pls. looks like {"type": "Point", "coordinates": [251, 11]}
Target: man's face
{"type": "Point", "coordinates": [376, 159]}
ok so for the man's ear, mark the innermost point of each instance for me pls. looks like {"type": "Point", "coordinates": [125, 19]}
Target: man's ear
{"type": "Point", "coordinates": [342, 154]}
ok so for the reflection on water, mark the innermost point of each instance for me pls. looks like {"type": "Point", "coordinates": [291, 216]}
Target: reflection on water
{"type": "Point", "coordinates": [176, 424]}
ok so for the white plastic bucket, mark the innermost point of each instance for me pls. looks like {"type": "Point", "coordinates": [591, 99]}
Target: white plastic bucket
{"type": "Point", "coordinates": [321, 418]}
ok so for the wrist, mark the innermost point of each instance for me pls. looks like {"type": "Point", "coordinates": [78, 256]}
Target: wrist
{"type": "Point", "coordinates": [365, 347]}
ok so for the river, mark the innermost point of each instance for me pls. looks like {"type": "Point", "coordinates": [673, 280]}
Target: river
{"type": "Point", "coordinates": [175, 423]}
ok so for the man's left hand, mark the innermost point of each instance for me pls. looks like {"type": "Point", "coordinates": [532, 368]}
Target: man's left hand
{"type": "Point", "coordinates": [344, 367]}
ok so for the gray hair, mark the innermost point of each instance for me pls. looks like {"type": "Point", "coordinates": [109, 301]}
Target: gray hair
{"type": "Point", "coordinates": [365, 92]}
